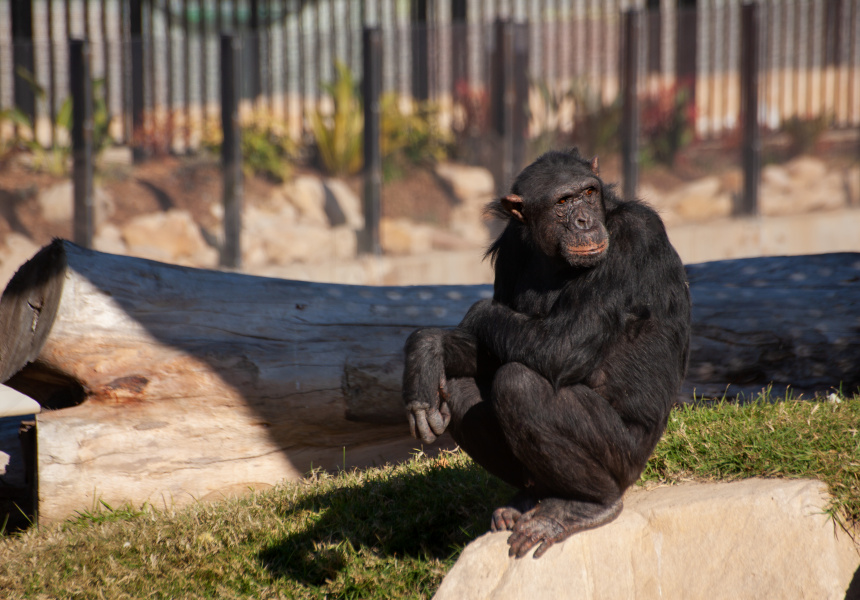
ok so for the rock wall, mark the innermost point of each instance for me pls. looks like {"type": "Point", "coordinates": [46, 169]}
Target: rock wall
{"type": "Point", "coordinates": [306, 228]}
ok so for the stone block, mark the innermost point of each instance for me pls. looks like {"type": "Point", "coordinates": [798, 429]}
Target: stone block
{"type": "Point", "coordinates": [749, 539]}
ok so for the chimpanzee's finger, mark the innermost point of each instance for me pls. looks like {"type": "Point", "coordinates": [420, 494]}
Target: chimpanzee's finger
{"type": "Point", "coordinates": [411, 417]}
{"type": "Point", "coordinates": [436, 421]}
{"type": "Point", "coordinates": [445, 411]}
{"type": "Point", "coordinates": [426, 436]}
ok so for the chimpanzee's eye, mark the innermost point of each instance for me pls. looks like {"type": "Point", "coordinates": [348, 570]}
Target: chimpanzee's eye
{"type": "Point", "coordinates": [562, 200]}
{"type": "Point", "coordinates": [589, 191]}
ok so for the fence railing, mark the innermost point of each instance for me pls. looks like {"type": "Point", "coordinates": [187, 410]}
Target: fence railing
{"type": "Point", "coordinates": [508, 118]}
{"type": "Point", "coordinates": [158, 60]}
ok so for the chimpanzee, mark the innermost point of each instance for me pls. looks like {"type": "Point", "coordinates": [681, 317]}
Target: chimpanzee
{"type": "Point", "coordinates": [561, 385]}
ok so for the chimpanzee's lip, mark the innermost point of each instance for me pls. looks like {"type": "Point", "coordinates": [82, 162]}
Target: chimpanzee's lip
{"type": "Point", "coordinates": [590, 249]}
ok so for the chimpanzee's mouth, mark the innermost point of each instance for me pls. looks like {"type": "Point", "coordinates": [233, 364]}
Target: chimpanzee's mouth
{"type": "Point", "coordinates": [589, 249]}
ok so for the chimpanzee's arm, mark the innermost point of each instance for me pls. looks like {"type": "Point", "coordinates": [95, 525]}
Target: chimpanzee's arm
{"type": "Point", "coordinates": [564, 347]}
{"type": "Point", "coordinates": [569, 343]}
{"type": "Point", "coordinates": [432, 357]}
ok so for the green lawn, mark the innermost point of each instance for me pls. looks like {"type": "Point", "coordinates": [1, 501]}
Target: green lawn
{"type": "Point", "coordinates": [392, 532]}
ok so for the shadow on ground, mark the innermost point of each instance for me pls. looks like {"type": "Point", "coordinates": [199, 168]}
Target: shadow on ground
{"type": "Point", "coordinates": [429, 514]}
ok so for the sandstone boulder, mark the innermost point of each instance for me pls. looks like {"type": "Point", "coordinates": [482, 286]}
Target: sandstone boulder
{"type": "Point", "coordinates": [171, 236]}
{"type": "Point", "coordinates": [748, 539]}
{"type": "Point", "coordinates": [307, 194]}
{"type": "Point", "coordinates": [467, 183]}
{"type": "Point", "coordinates": [108, 238]}
{"type": "Point", "coordinates": [701, 200]}
{"type": "Point", "coordinates": [802, 185]}
{"type": "Point", "coordinates": [402, 236]}
{"type": "Point", "coordinates": [15, 250]}
{"type": "Point", "coordinates": [57, 203]}
{"type": "Point", "coordinates": [342, 200]}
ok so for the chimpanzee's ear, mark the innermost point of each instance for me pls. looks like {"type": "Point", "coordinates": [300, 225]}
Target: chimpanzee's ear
{"type": "Point", "coordinates": [513, 204]}
{"type": "Point", "coordinates": [595, 168]}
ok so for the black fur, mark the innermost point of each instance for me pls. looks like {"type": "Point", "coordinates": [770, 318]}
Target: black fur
{"type": "Point", "coordinates": [560, 385]}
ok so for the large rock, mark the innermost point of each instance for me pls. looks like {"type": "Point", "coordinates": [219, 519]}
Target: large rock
{"type": "Point", "coordinates": [701, 200]}
{"type": "Point", "coordinates": [307, 194]}
{"type": "Point", "coordinates": [473, 188]}
{"type": "Point", "coordinates": [800, 186]}
{"type": "Point", "coordinates": [749, 539]}
{"type": "Point", "coordinates": [171, 236]}
{"type": "Point", "coordinates": [271, 237]}
{"type": "Point", "coordinates": [467, 183]}
{"type": "Point", "coordinates": [340, 199]}
{"type": "Point", "coordinates": [15, 250]}
{"type": "Point", "coordinates": [57, 203]}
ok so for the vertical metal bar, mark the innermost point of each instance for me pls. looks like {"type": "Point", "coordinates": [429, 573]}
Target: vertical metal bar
{"type": "Point", "coordinates": [519, 59]}
{"type": "Point", "coordinates": [420, 89]}
{"type": "Point", "coordinates": [830, 59]}
{"type": "Point", "coordinates": [503, 96]}
{"type": "Point", "coordinates": [52, 75]}
{"type": "Point", "coordinates": [254, 26]}
{"type": "Point", "coordinates": [371, 90]}
{"type": "Point", "coordinates": [82, 141]}
{"type": "Point", "coordinates": [810, 58]}
{"type": "Point", "coordinates": [202, 30]}
{"type": "Point", "coordinates": [87, 33]}
{"type": "Point", "coordinates": [150, 69]}
{"type": "Point", "coordinates": [630, 102]}
{"type": "Point", "coordinates": [286, 64]}
{"type": "Point", "coordinates": [231, 153]}
{"type": "Point", "coordinates": [751, 151]}
{"type": "Point", "coordinates": [23, 56]}
{"type": "Point", "coordinates": [186, 80]}
{"type": "Point", "coordinates": [853, 34]}
{"type": "Point", "coordinates": [107, 55]}
{"type": "Point", "coordinates": [168, 49]}
{"type": "Point", "coordinates": [137, 92]}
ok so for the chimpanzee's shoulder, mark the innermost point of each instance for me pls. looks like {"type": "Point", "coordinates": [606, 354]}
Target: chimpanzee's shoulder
{"type": "Point", "coordinates": [635, 215]}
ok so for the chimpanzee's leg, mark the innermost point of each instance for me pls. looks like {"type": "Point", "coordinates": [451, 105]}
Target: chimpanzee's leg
{"type": "Point", "coordinates": [475, 428]}
{"type": "Point", "coordinates": [576, 449]}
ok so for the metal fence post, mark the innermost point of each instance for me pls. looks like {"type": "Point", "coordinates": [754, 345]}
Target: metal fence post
{"type": "Point", "coordinates": [23, 55]}
{"type": "Point", "coordinates": [371, 88]}
{"type": "Point", "coordinates": [751, 151]}
{"type": "Point", "coordinates": [231, 150]}
{"type": "Point", "coordinates": [82, 141]}
{"type": "Point", "coordinates": [630, 38]}
{"type": "Point", "coordinates": [137, 78]}
{"type": "Point", "coordinates": [509, 90]}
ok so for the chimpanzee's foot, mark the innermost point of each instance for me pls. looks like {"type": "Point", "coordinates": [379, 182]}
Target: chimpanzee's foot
{"type": "Point", "coordinates": [554, 520]}
{"type": "Point", "coordinates": [505, 517]}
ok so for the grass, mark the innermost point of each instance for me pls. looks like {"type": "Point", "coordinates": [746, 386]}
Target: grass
{"type": "Point", "coordinates": [790, 439]}
{"type": "Point", "coordinates": [393, 532]}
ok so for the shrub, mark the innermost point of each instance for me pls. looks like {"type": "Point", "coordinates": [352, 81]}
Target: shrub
{"type": "Point", "coordinates": [338, 136]}
{"type": "Point", "coordinates": [805, 132]}
{"type": "Point", "coordinates": [410, 137]}
{"type": "Point", "coordinates": [596, 125]}
{"type": "Point", "coordinates": [666, 123]}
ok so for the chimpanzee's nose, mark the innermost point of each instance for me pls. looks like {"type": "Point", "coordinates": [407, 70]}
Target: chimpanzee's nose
{"type": "Point", "coordinates": [582, 222]}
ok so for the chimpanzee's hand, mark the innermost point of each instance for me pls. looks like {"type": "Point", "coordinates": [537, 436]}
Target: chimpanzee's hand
{"type": "Point", "coordinates": [425, 384]}
{"type": "Point", "coordinates": [429, 417]}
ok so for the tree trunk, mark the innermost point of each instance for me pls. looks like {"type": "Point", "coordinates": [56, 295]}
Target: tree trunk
{"type": "Point", "coordinates": [171, 383]}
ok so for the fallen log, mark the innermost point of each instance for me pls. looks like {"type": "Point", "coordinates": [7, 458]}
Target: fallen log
{"type": "Point", "coordinates": [169, 384]}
